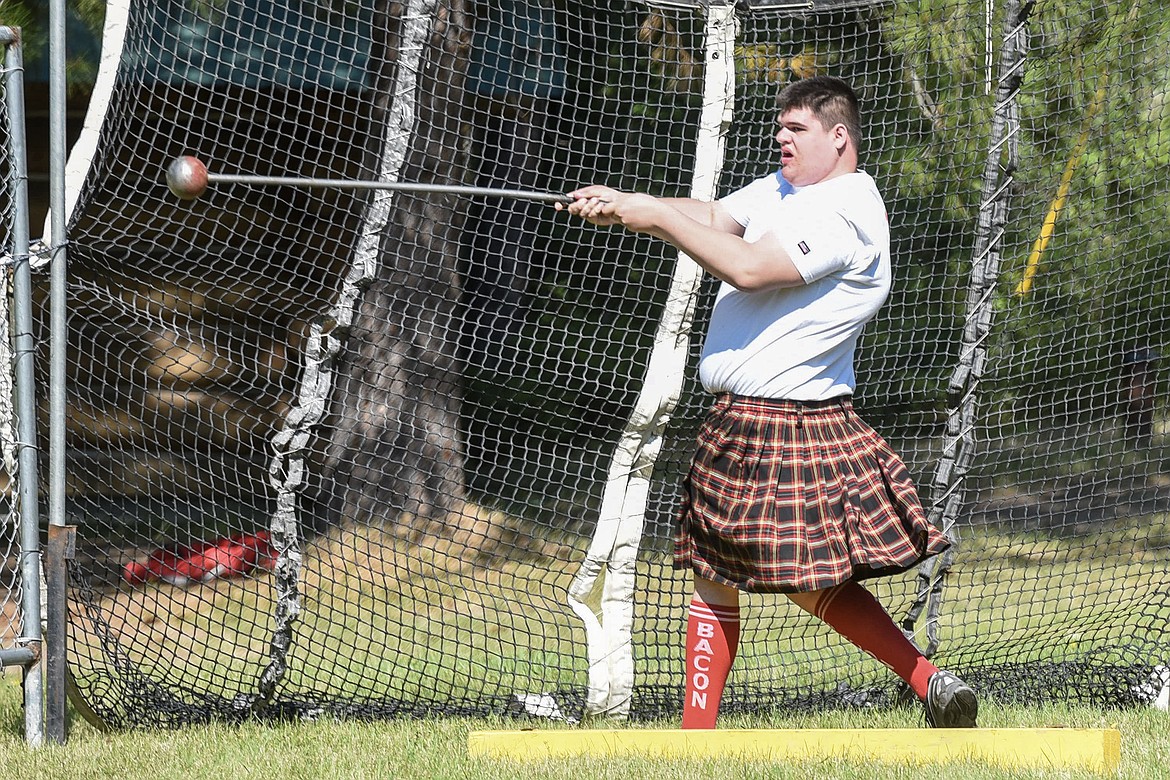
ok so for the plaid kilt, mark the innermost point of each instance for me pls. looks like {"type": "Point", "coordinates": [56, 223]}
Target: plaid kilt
{"type": "Point", "coordinates": [791, 496]}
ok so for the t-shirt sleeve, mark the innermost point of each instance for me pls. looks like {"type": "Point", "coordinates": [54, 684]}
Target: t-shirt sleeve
{"type": "Point", "coordinates": [818, 242]}
{"type": "Point", "coordinates": [811, 228]}
{"type": "Point", "coordinates": [742, 202]}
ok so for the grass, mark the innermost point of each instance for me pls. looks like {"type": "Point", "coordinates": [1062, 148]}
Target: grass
{"type": "Point", "coordinates": [371, 604]}
{"type": "Point", "coordinates": [401, 615]}
{"type": "Point", "coordinates": [382, 617]}
{"type": "Point", "coordinates": [438, 748]}
{"type": "Point", "coordinates": [434, 749]}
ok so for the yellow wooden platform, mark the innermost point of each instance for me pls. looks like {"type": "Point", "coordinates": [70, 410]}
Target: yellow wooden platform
{"type": "Point", "coordinates": [1092, 749]}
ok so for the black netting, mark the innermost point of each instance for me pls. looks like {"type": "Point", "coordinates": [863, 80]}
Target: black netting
{"type": "Point", "coordinates": [453, 374]}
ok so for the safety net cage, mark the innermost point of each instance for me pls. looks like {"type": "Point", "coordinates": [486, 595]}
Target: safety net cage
{"type": "Point", "coordinates": [413, 452]}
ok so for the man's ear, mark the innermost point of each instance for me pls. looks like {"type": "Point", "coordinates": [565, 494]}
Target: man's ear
{"type": "Point", "coordinates": [840, 137]}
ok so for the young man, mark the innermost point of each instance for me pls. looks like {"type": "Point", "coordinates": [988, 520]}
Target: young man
{"type": "Point", "coordinates": [790, 491]}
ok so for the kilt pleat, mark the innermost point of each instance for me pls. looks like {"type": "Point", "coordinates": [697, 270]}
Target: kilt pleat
{"type": "Point", "coordinates": [787, 496]}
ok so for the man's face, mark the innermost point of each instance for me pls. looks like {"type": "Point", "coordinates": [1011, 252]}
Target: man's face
{"type": "Point", "coordinates": [809, 152]}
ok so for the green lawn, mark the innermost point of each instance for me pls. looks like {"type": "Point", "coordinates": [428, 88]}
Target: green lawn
{"type": "Point", "coordinates": [438, 749]}
{"type": "Point", "coordinates": [381, 619]}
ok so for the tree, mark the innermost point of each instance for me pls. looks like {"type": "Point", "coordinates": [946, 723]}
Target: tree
{"type": "Point", "coordinates": [33, 19]}
{"type": "Point", "coordinates": [394, 444]}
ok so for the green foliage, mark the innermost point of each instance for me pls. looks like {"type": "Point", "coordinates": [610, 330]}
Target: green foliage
{"type": "Point", "coordinates": [81, 16]}
{"type": "Point", "coordinates": [17, 13]}
{"type": "Point", "coordinates": [1101, 287]}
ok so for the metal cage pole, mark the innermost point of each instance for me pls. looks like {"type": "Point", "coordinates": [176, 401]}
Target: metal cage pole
{"type": "Point", "coordinates": [60, 540]}
{"type": "Point", "coordinates": [23, 350]}
{"type": "Point", "coordinates": [613, 551]}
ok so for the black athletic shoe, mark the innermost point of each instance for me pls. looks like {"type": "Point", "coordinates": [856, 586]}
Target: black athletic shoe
{"type": "Point", "coordinates": [950, 703]}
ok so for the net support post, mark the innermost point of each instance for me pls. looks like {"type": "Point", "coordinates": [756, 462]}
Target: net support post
{"type": "Point", "coordinates": [60, 540]}
{"type": "Point", "coordinates": [290, 443]}
{"type": "Point", "coordinates": [59, 549]}
{"type": "Point", "coordinates": [616, 542]}
{"type": "Point", "coordinates": [963, 388]}
{"type": "Point", "coordinates": [24, 400]}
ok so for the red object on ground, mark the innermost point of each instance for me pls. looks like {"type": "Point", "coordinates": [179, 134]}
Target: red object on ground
{"type": "Point", "coordinates": [232, 556]}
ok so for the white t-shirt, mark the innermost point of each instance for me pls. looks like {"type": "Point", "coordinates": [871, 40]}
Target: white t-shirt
{"type": "Point", "coordinates": [798, 342]}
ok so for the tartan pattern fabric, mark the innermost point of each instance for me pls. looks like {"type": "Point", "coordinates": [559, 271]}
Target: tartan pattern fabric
{"type": "Point", "coordinates": [790, 496]}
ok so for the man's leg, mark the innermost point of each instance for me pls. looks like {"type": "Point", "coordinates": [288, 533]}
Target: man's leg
{"type": "Point", "coordinates": [712, 638]}
{"type": "Point", "coordinates": [855, 614]}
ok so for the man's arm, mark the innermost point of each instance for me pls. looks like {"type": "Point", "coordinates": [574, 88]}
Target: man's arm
{"type": "Point", "coordinates": [705, 231]}
{"type": "Point", "coordinates": [709, 213]}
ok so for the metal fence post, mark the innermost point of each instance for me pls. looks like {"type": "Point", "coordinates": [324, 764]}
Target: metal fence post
{"type": "Point", "coordinates": [23, 351]}
{"type": "Point", "coordinates": [61, 538]}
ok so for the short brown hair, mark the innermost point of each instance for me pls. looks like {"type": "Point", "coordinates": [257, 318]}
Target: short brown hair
{"type": "Point", "coordinates": [831, 100]}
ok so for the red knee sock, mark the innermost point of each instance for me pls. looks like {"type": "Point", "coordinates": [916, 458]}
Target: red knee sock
{"type": "Point", "coordinates": [855, 614]}
{"type": "Point", "coordinates": [712, 637]}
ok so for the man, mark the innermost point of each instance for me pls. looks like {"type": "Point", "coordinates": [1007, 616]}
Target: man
{"type": "Point", "coordinates": [790, 491]}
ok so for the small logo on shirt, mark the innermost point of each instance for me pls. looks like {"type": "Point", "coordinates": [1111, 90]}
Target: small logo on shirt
{"type": "Point", "coordinates": [803, 247]}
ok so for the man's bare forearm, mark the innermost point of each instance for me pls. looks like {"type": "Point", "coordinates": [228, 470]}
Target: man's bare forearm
{"type": "Point", "coordinates": [708, 213]}
{"type": "Point", "coordinates": [760, 265]}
